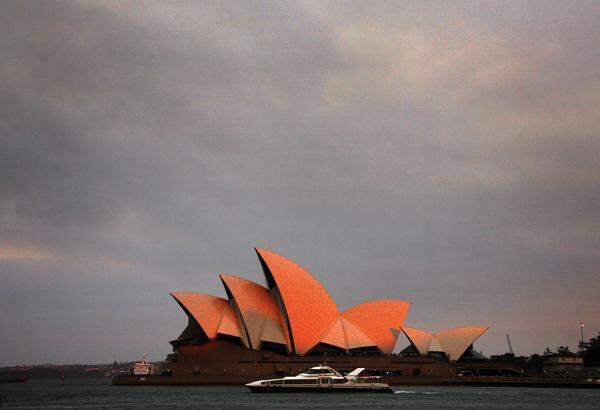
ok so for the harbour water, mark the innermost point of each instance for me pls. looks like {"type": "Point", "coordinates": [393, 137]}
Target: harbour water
{"type": "Point", "coordinates": [100, 394]}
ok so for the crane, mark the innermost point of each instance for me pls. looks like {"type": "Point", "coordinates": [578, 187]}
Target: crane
{"type": "Point", "coordinates": [510, 349]}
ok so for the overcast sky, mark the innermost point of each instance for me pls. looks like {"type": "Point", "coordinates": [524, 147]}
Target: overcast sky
{"type": "Point", "coordinates": [443, 153]}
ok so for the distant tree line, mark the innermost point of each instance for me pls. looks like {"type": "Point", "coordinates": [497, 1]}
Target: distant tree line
{"type": "Point", "coordinates": [590, 351]}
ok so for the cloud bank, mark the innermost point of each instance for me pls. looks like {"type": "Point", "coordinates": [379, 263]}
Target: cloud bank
{"type": "Point", "coordinates": [442, 154]}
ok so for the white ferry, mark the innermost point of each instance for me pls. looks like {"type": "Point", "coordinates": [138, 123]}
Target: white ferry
{"type": "Point", "coordinates": [321, 379]}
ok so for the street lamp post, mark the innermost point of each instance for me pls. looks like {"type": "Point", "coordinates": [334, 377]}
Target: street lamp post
{"type": "Point", "coordinates": [581, 345]}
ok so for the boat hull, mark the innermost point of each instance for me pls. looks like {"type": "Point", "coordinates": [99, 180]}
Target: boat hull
{"type": "Point", "coordinates": [318, 389]}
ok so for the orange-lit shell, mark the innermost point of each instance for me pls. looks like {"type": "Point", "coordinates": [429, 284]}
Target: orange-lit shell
{"type": "Point", "coordinates": [260, 315]}
{"type": "Point", "coordinates": [209, 311]}
{"type": "Point", "coordinates": [376, 318]}
{"type": "Point", "coordinates": [455, 341]}
{"type": "Point", "coordinates": [309, 308]}
{"type": "Point", "coordinates": [419, 338]}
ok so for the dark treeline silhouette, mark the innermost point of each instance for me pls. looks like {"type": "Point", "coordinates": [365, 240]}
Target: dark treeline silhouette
{"type": "Point", "coordinates": [590, 351]}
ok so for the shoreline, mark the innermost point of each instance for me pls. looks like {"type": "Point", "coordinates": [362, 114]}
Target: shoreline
{"type": "Point", "coordinates": [488, 382]}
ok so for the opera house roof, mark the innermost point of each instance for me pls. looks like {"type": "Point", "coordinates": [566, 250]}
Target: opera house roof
{"type": "Point", "coordinates": [296, 313]}
{"type": "Point", "coordinates": [453, 342]}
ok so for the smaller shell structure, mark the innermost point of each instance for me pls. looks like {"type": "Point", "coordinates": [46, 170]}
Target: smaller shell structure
{"type": "Point", "coordinates": [214, 315]}
{"type": "Point", "coordinates": [453, 342]}
{"type": "Point", "coordinates": [377, 318]}
{"type": "Point", "coordinates": [260, 316]}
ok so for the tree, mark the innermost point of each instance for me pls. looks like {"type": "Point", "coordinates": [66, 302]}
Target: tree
{"type": "Point", "coordinates": [564, 351]}
{"type": "Point", "coordinates": [591, 352]}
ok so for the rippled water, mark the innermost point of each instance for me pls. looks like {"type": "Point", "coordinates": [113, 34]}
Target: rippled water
{"type": "Point", "coordinates": [100, 394]}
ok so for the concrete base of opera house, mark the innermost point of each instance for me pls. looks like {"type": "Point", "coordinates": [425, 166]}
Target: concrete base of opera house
{"type": "Point", "coordinates": [225, 363]}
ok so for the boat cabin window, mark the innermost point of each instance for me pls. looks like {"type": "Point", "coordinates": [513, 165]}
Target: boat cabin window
{"type": "Point", "coordinates": [318, 371]}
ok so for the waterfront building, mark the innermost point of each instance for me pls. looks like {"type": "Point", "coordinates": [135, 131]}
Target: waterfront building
{"type": "Point", "coordinates": [568, 366]}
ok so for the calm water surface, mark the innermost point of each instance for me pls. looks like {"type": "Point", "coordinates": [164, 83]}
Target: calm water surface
{"type": "Point", "coordinates": [99, 394]}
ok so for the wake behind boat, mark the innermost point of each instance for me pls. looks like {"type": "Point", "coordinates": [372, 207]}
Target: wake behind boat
{"type": "Point", "coordinates": [321, 379]}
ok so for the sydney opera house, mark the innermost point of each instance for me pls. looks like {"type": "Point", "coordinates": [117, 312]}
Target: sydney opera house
{"type": "Point", "coordinates": [292, 323]}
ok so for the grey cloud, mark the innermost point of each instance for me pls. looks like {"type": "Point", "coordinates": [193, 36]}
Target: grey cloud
{"type": "Point", "coordinates": [446, 156]}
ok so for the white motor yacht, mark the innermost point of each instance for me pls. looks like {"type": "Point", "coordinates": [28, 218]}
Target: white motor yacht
{"type": "Point", "coordinates": [321, 379]}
